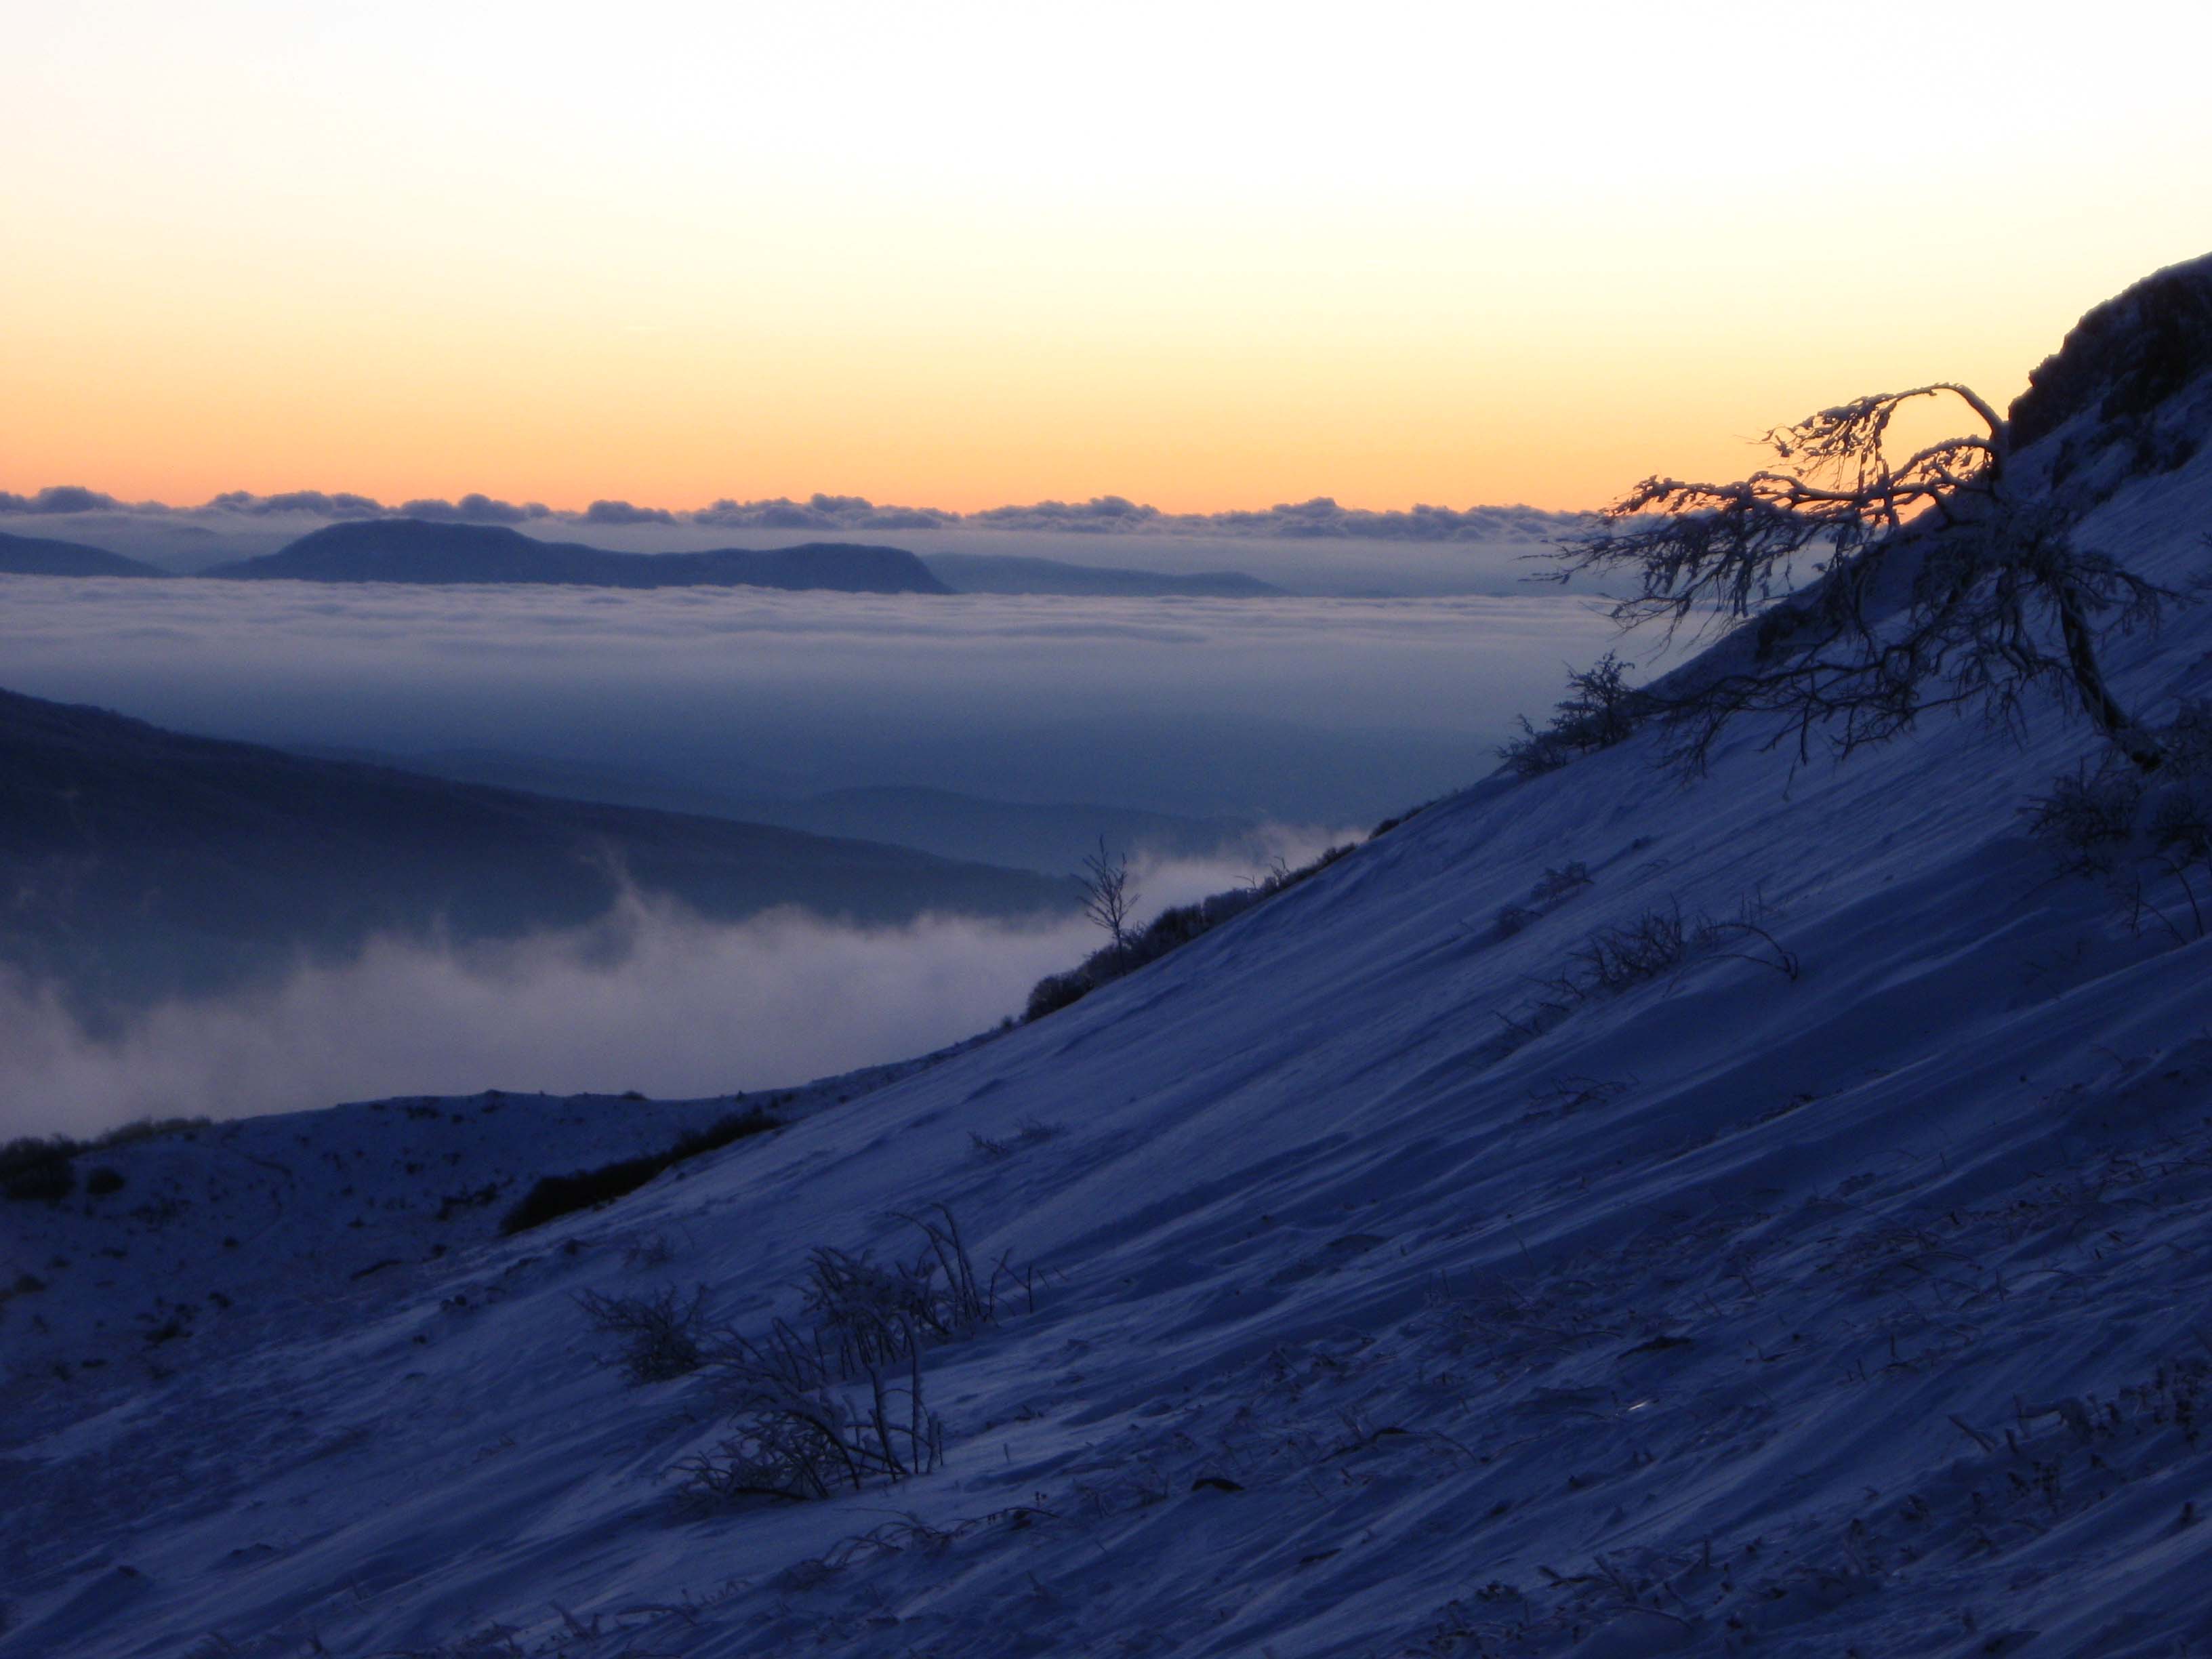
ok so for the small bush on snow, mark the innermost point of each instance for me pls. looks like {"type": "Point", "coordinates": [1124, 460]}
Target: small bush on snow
{"type": "Point", "coordinates": [2149, 834]}
{"type": "Point", "coordinates": [1618, 958]}
{"type": "Point", "coordinates": [2087, 819]}
{"type": "Point", "coordinates": [1558, 884]}
{"type": "Point", "coordinates": [1512, 919]}
{"type": "Point", "coordinates": [834, 1401]}
{"type": "Point", "coordinates": [656, 1337]}
{"type": "Point", "coordinates": [1601, 709]}
{"type": "Point", "coordinates": [1614, 958]}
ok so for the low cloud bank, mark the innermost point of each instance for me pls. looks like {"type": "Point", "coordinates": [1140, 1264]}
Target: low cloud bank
{"type": "Point", "coordinates": [1157, 883]}
{"type": "Point", "coordinates": [1322, 517]}
{"type": "Point", "coordinates": [651, 997]}
{"type": "Point", "coordinates": [75, 498]}
{"type": "Point", "coordinates": [1314, 547]}
{"type": "Point", "coordinates": [1101, 515]}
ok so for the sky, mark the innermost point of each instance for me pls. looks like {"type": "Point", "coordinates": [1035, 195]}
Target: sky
{"type": "Point", "coordinates": [1206, 256]}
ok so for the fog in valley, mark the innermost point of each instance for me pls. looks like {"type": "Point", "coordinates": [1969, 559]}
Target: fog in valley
{"type": "Point", "coordinates": [1189, 731]}
{"type": "Point", "coordinates": [650, 997]}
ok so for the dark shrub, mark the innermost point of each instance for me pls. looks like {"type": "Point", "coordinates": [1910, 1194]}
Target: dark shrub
{"type": "Point", "coordinates": [38, 1167]}
{"type": "Point", "coordinates": [1558, 884]}
{"type": "Point", "coordinates": [1054, 992]}
{"type": "Point", "coordinates": [103, 1180]}
{"type": "Point", "coordinates": [1170, 930]}
{"type": "Point", "coordinates": [2149, 834]}
{"type": "Point", "coordinates": [1513, 919]}
{"type": "Point", "coordinates": [557, 1195]}
{"type": "Point", "coordinates": [655, 1338]}
{"type": "Point", "coordinates": [735, 1126]}
{"type": "Point", "coordinates": [49, 1179]}
{"type": "Point", "coordinates": [453, 1203]}
{"type": "Point", "coordinates": [2088, 818]}
{"type": "Point", "coordinates": [1601, 709]}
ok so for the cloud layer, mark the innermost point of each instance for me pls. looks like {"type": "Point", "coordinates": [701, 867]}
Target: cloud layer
{"type": "Point", "coordinates": [650, 997]}
{"type": "Point", "coordinates": [1303, 708]}
{"type": "Point", "coordinates": [1101, 515]}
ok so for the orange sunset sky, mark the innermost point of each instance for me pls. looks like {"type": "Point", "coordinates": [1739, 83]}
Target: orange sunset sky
{"type": "Point", "coordinates": [958, 255]}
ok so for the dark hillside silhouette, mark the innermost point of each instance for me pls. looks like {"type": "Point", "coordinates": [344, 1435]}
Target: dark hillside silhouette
{"type": "Point", "coordinates": [36, 555]}
{"type": "Point", "coordinates": [428, 551]}
{"type": "Point", "coordinates": [139, 861]}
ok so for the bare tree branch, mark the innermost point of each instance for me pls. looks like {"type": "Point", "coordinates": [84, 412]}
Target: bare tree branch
{"type": "Point", "coordinates": [1881, 591]}
{"type": "Point", "coordinates": [1107, 898]}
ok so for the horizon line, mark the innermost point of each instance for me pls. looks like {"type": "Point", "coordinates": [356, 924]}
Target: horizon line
{"type": "Point", "coordinates": [1110, 514]}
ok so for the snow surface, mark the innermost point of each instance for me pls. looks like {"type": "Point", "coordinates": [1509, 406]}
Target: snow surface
{"type": "Point", "coordinates": [1865, 1311]}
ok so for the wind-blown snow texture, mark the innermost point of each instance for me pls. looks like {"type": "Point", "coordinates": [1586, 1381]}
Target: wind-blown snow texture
{"type": "Point", "coordinates": [1868, 1311]}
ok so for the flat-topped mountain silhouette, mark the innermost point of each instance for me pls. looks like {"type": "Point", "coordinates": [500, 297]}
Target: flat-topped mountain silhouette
{"type": "Point", "coordinates": [428, 551]}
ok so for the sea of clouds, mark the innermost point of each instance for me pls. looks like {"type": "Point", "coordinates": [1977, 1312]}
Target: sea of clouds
{"type": "Point", "coordinates": [650, 997]}
{"type": "Point", "coordinates": [1299, 709]}
{"type": "Point", "coordinates": [1322, 517]}
{"type": "Point", "coordinates": [1314, 547]}
{"type": "Point", "coordinates": [1311, 710]}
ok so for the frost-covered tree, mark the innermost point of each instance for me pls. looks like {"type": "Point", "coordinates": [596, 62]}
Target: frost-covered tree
{"type": "Point", "coordinates": [1601, 709]}
{"type": "Point", "coordinates": [1881, 590]}
{"type": "Point", "coordinates": [1107, 898]}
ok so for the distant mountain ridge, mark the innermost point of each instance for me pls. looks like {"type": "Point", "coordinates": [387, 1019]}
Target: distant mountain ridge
{"type": "Point", "coordinates": [426, 551]}
{"type": "Point", "coordinates": [140, 862]}
{"type": "Point", "coordinates": [35, 556]}
{"type": "Point", "coordinates": [1049, 838]}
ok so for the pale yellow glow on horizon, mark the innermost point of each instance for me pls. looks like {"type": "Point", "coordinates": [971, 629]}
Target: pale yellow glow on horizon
{"type": "Point", "coordinates": [1203, 256]}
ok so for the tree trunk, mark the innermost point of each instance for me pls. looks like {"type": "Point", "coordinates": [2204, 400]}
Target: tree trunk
{"type": "Point", "coordinates": [2097, 700]}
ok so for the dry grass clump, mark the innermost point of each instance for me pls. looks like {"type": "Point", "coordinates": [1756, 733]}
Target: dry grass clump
{"type": "Point", "coordinates": [800, 1429]}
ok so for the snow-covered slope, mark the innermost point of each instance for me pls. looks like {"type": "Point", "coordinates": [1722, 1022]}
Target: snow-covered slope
{"type": "Point", "coordinates": [1850, 1293]}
